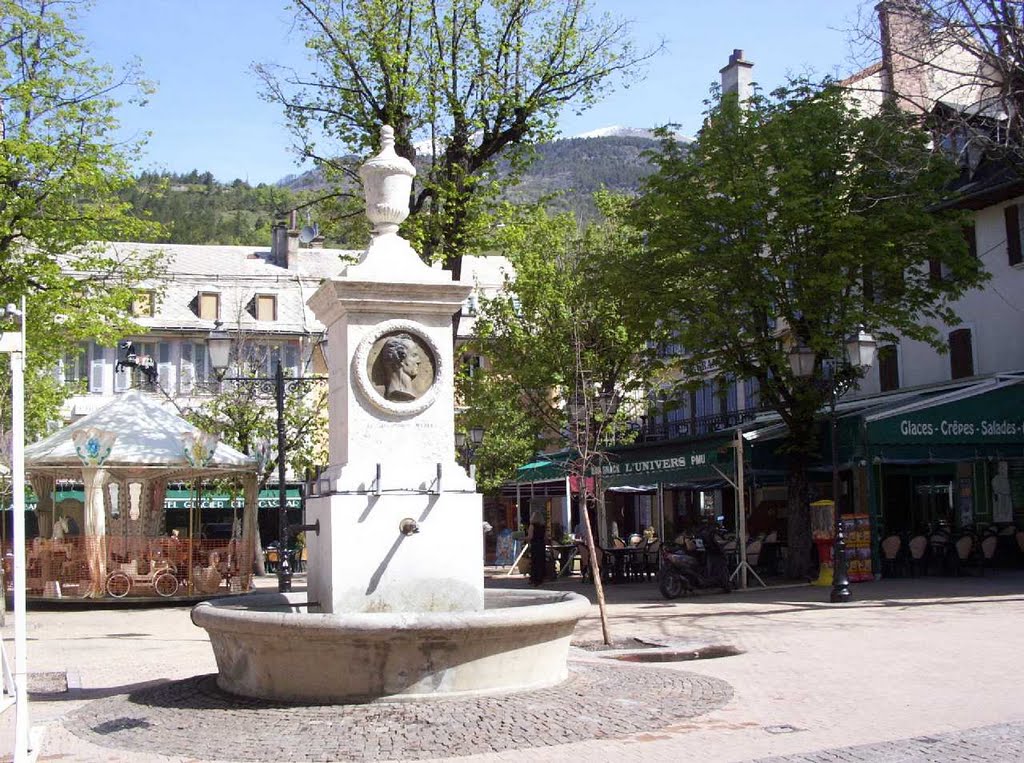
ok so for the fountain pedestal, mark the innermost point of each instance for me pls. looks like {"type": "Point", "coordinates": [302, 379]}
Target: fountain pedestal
{"type": "Point", "coordinates": [396, 605]}
{"type": "Point", "coordinates": [392, 459]}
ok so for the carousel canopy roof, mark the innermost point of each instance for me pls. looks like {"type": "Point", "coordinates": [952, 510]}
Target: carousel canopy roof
{"type": "Point", "coordinates": [135, 431]}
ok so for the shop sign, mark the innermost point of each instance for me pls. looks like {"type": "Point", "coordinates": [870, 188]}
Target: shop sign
{"type": "Point", "coordinates": [995, 417]}
{"type": "Point", "coordinates": [267, 500]}
{"type": "Point", "coordinates": [655, 466]}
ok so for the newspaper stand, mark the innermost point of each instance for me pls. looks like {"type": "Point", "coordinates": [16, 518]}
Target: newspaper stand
{"type": "Point", "coordinates": [823, 523]}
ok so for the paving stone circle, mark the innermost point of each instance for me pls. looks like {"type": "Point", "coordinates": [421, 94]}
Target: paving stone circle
{"type": "Point", "coordinates": [194, 718]}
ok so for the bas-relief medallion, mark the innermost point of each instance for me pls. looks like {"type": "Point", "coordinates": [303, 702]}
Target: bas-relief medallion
{"type": "Point", "coordinates": [398, 367]}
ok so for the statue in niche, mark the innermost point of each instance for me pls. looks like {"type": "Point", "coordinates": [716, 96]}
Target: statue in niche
{"type": "Point", "coordinates": [1002, 500]}
{"type": "Point", "coordinates": [397, 367]}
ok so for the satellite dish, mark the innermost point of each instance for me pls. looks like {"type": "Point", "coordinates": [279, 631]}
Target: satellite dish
{"type": "Point", "coordinates": [307, 234]}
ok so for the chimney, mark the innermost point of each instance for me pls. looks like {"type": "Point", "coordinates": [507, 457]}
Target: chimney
{"type": "Point", "coordinates": [284, 245]}
{"type": "Point", "coordinates": [903, 35]}
{"type": "Point", "coordinates": [737, 76]}
{"type": "Point", "coordinates": [279, 245]}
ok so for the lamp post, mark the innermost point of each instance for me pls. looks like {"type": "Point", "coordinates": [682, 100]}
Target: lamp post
{"type": "Point", "coordinates": [219, 345]}
{"type": "Point", "coordinates": [13, 342]}
{"type": "Point", "coordinates": [467, 446]}
{"type": "Point", "coordinates": [860, 353]}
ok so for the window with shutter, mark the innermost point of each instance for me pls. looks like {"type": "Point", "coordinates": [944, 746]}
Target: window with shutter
{"type": "Point", "coordinates": [96, 368]}
{"type": "Point", "coordinates": [123, 378]}
{"type": "Point", "coordinates": [144, 304]}
{"type": "Point", "coordinates": [888, 368]}
{"type": "Point", "coordinates": [76, 366]}
{"type": "Point", "coordinates": [291, 359]}
{"type": "Point", "coordinates": [961, 354]}
{"type": "Point", "coordinates": [266, 307]}
{"type": "Point", "coordinates": [1013, 247]}
{"type": "Point", "coordinates": [186, 370]}
{"type": "Point", "coordinates": [971, 237]}
{"type": "Point", "coordinates": [201, 359]}
{"type": "Point", "coordinates": [209, 306]}
{"type": "Point", "coordinates": [751, 393]}
{"type": "Point", "coordinates": [164, 368]}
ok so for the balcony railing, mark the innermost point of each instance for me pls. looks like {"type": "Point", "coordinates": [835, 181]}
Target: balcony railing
{"type": "Point", "coordinates": [651, 431]}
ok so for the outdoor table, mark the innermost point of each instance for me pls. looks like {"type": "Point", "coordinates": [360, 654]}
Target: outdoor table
{"type": "Point", "coordinates": [618, 557]}
{"type": "Point", "coordinates": [564, 553]}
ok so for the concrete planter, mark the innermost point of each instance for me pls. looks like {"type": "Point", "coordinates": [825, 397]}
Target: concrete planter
{"type": "Point", "coordinates": [267, 648]}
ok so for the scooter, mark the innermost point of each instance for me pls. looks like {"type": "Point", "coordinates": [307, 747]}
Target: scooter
{"type": "Point", "coordinates": [700, 563]}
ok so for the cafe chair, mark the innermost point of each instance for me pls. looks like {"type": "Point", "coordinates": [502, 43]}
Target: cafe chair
{"type": "Point", "coordinates": [652, 558]}
{"type": "Point", "coordinates": [586, 569]}
{"type": "Point", "coordinates": [754, 552]}
{"type": "Point", "coordinates": [272, 558]}
{"type": "Point", "coordinates": [962, 558]}
{"type": "Point", "coordinates": [769, 558]}
{"type": "Point", "coordinates": [918, 547]}
{"type": "Point", "coordinates": [892, 558]}
{"type": "Point", "coordinates": [989, 544]}
{"type": "Point", "coordinates": [941, 554]}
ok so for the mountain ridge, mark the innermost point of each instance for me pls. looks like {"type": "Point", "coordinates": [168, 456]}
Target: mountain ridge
{"type": "Point", "coordinates": [565, 172]}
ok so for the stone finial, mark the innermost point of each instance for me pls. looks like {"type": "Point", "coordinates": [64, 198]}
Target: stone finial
{"type": "Point", "coordinates": [387, 184]}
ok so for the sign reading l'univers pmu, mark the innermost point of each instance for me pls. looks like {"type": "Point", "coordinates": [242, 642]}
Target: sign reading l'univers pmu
{"type": "Point", "coordinates": [996, 416]}
{"type": "Point", "coordinates": [659, 464]}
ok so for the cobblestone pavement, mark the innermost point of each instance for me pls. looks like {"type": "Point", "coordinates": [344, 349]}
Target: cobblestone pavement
{"type": "Point", "coordinates": [877, 679]}
{"type": "Point", "coordinates": [1003, 743]}
{"type": "Point", "coordinates": [193, 718]}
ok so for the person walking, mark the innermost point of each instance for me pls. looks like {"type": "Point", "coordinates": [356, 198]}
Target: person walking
{"type": "Point", "coordinates": [535, 537]}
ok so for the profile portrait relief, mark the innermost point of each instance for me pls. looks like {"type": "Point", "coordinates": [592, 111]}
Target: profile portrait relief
{"type": "Point", "coordinates": [401, 367]}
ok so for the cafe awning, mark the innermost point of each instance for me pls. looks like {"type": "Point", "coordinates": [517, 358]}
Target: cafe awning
{"type": "Point", "coordinates": [548, 469]}
{"type": "Point", "coordinates": [978, 420]}
{"type": "Point", "coordinates": [686, 461]}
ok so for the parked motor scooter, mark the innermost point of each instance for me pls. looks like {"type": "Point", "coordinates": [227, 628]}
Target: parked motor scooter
{"type": "Point", "coordinates": [701, 563]}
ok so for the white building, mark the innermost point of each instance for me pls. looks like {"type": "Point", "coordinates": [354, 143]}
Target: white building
{"type": "Point", "coordinates": [924, 74]}
{"type": "Point", "coordinates": [258, 294]}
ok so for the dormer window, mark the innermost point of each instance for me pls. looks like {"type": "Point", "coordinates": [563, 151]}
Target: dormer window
{"type": "Point", "coordinates": [264, 307]}
{"type": "Point", "coordinates": [143, 304]}
{"type": "Point", "coordinates": [208, 305]}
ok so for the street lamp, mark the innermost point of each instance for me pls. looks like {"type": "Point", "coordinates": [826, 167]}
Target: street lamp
{"type": "Point", "coordinates": [219, 345]}
{"type": "Point", "coordinates": [860, 354]}
{"type": "Point", "coordinates": [13, 342]}
{"type": "Point", "coordinates": [467, 446]}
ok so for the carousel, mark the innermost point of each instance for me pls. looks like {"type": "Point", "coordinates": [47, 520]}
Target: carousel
{"type": "Point", "coordinates": [115, 544]}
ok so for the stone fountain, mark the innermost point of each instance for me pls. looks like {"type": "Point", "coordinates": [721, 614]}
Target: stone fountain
{"type": "Point", "coordinates": [395, 606]}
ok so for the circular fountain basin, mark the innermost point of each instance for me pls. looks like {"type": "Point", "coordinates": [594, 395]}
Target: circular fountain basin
{"type": "Point", "coordinates": [268, 647]}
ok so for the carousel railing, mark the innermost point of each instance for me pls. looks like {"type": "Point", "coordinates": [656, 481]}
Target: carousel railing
{"type": "Point", "coordinates": [111, 567]}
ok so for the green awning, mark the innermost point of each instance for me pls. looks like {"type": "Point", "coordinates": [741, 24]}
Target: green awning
{"type": "Point", "coordinates": [982, 415]}
{"type": "Point", "coordinates": [668, 463]}
{"type": "Point", "coordinates": [550, 469]}
{"type": "Point", "coordinates": [682, 461]}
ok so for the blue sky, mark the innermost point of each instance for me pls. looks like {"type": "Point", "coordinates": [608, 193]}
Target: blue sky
{"type": "Point", "coordinates": [206, 113]}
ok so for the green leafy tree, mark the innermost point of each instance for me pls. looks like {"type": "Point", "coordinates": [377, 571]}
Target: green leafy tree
{"type": "Point", "coordinates": [470, 79]}
{"type": "Point", "coordinates": [244, 416]}
{"type": "Point", "coordinates": [565, 351]}
{"type": "Point", "coordinates": [796, 220]}
{"type": "Point", "coordinates": [61, 173]}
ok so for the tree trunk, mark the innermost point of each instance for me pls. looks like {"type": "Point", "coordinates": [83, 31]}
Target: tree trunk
{"type": "Point", "coordinates": [798, 525]}
{"type": "Point", "coordinates": [595, 565]}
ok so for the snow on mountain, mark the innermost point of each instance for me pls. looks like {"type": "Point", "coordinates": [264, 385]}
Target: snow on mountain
{"type": "Point", "coordinates": [618, 131]}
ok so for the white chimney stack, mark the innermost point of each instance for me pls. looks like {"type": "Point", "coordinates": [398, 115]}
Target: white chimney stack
{"type": "Point", "coordinates": [737, 76]}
